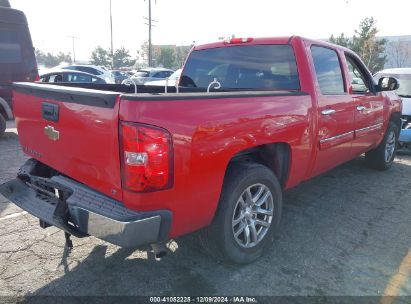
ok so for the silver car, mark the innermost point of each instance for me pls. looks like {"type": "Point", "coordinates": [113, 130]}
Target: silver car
{"type": "Point", "coordinates": [149, 74]}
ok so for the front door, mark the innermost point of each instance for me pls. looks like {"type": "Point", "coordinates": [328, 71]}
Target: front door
{"type": "Point", "coordinates": [369, 107]}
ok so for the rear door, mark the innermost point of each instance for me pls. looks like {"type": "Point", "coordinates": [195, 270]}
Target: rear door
{"type": "Point", "coordinates": [335, 110]}
{"type": "Point", "coordinates": [369, 106]}
{"type": "Point", "coordinates": [72, 130]}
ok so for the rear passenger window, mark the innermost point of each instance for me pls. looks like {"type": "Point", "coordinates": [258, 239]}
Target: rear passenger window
{"type": "Point", "coordinates": [55, 78]}
{"type": "Point", "coordinates": [78, 78]}
{"type": "Point", "coordinates": [158, 75]}
{"type": "Point", "coordinates": [328, 70]}
{"type": "Point", "coordinates": [10, 48]}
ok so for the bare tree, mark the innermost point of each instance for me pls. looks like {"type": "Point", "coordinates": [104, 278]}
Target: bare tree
{"type": "Point", "coordinates": [400, 52]}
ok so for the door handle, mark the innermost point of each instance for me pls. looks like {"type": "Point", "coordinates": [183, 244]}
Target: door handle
{"type": "Point", "coordinates": [327, 112]}
{"type": "Point", "coordinates": [360, 108]}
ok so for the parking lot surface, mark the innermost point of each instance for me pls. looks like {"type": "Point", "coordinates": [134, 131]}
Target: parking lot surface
{"type": "Point", "coordinates": [347, 232]}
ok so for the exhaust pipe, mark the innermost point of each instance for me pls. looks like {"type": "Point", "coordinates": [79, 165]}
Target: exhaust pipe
{"type": "Point", "coordinates": [160, 250]}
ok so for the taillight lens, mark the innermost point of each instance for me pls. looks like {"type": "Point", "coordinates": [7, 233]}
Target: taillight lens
{"type": "Point", "coordinates": [33, 75]}
{"type": "Point", "coordinates": [146, 157]}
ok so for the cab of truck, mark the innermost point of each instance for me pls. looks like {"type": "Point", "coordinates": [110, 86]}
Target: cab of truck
{"type": "Point", "coordinates": [17, 58]}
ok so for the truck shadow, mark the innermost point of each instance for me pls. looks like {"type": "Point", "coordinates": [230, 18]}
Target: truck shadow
{"type": "Point", "coordinates": [342, 233]}
{"type": "Point", "coordinates": [122, 273]}
{"type": "Point", "coordinates": [8, 137]}
{"type": "Point", "coordinates": [7, 140]}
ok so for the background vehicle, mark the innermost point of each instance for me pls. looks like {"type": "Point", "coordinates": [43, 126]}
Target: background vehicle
{"type": "Point", "coordinates": [252, 117]}
{"type": "Point", "coordinates": [91, 69]}
{"type": "Point", "coordinates": [17, 59]}
{"type": "Point", "coordinates": [70, 76]}
{"type": "Point", "coordinates": [144, 75]}
{"type": "Point", "coordinates": [119, 76]}
{"type": "Point", "coordinates": [404, 91]}
{"type": "Point", "coordinates": [172, 79]}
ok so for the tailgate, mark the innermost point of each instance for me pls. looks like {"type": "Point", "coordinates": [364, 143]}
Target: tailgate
{"type": "Point", "coordinates": [72, 130]}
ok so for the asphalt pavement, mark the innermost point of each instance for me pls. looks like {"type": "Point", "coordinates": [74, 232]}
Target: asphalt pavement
{"type": "Point", "coordinates": [346, 233]}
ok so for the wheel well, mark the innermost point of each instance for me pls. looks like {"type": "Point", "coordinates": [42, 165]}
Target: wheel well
{"type": "Point", "coordinates": [396, 118]}
{"type": "Point", "coordinates": [275, 156]}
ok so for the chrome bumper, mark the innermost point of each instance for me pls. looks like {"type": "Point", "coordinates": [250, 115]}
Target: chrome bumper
{"type": "Point", "coordinates": [86, 212]}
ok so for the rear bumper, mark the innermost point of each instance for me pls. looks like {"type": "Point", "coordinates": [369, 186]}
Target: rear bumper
{"type": "Point", "coordinates": [81, 211]}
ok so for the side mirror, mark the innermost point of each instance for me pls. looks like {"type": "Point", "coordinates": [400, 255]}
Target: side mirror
{"type": "Point", "coordinates": [388, 84]}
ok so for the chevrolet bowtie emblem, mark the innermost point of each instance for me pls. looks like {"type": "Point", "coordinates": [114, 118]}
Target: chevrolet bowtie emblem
{"type": "Point", "coordinates": [51, 133]}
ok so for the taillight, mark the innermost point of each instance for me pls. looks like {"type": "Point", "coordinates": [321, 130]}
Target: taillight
{"type": "Point", "coordinates": [33, 75]}
{"type": "Point", "coordinates": [146, 157]}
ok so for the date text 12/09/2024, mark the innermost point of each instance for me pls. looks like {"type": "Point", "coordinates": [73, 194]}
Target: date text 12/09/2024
{"type": "Point", "coordinates": [203, 299]}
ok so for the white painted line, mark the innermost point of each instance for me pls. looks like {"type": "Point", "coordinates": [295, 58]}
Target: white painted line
{"type": "Point", "coordinates": [13, 215]}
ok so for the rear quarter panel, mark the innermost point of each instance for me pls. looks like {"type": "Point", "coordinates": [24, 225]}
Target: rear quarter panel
{"type": "Point", "coordinates": [206, 134]}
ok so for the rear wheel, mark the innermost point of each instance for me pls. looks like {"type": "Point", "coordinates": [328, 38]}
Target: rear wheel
{"type": "Point", "coordinates": [2, 125]}
{"type": "Point", "coordinates": [382, 157]}
{"type": "Point", "coordinates": [249, 213]}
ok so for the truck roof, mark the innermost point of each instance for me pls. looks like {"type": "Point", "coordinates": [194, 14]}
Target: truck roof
{"type": "Point", "coordinates": [264, 40]}
{"type": "Point", "coordinates": [10, 15]}
{"type": "Point", "coordinates": [261, 40]}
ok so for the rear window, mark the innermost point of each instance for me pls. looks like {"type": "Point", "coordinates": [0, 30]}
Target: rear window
{"type": "Point", "coordinates": [254, 67]}
{"type": "Point", "coordinates": [10, 47]}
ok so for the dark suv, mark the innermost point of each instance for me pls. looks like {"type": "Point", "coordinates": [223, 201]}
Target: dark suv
{"type": "Point", "coordinates": [17, 59]}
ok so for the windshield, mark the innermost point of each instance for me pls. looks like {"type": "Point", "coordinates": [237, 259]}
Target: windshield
{"type": "Point", "coordinates": [254, 67]}
{"type": "Point", "coordinates": [404, 80]}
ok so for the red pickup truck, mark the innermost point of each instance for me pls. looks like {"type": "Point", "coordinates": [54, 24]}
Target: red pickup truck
{"type": "Point", "coordinates": [251, 118]}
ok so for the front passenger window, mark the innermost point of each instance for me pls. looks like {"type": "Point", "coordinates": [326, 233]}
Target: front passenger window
{"type": "Point", "coordinates": [358, 79]}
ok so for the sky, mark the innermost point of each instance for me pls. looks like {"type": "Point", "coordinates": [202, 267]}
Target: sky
{"type": "Point", "coordinates": [180, 22]}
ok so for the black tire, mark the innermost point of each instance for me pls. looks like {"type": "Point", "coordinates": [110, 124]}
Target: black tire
{"type": "Point", "coordinates": [218, 239]}
{"type": "Point", "coordinates": [2, 125]}
{"type": "Point", "coordinates": [377, 158]}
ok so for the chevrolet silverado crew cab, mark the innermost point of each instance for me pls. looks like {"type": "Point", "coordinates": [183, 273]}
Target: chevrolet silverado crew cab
{"type": "Point", "coordinates": [249, 119]}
